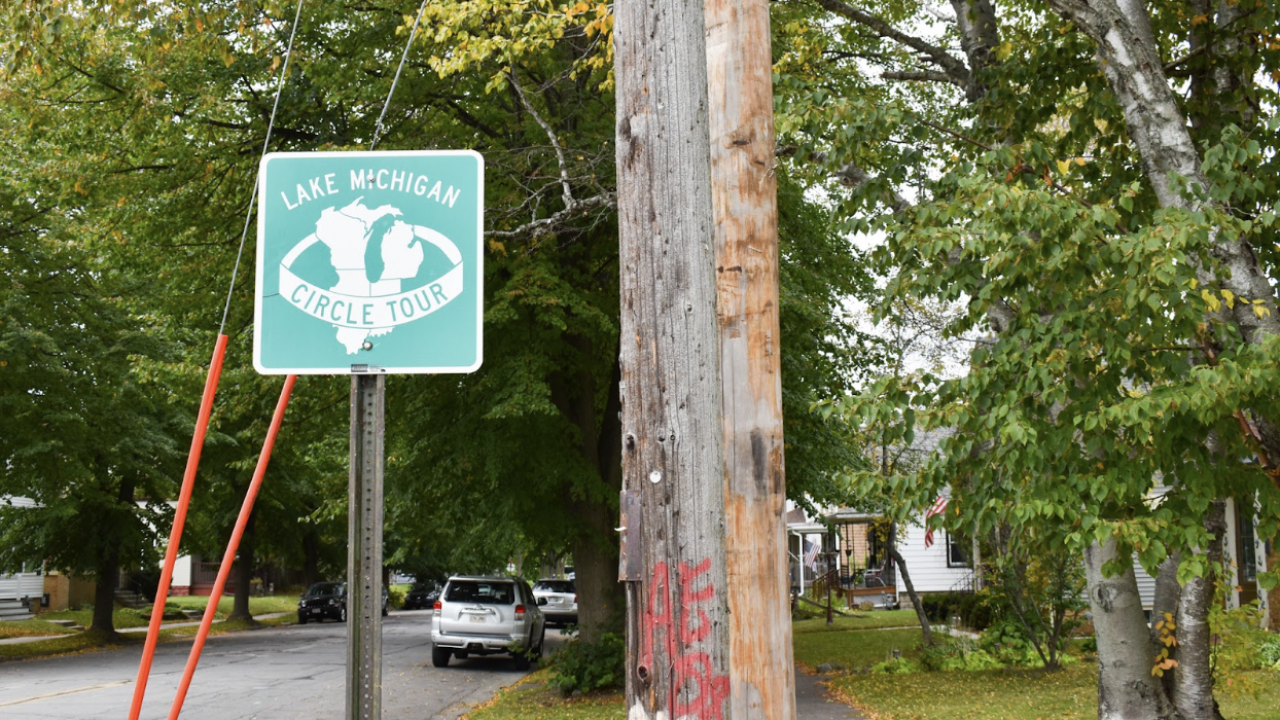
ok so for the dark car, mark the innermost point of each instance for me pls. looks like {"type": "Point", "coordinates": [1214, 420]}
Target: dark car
{"type": "Point", "coordinates": [328, 600]}
{"type": "Point", "coordinates": [421, 595]}
{"type": "Point", "coordinates": [323, 600]}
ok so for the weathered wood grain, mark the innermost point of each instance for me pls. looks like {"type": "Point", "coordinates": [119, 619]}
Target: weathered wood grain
{"type": "Point", "coordinates": [678, 636]}
{"type": "Point", "coordinates": [744, 201]}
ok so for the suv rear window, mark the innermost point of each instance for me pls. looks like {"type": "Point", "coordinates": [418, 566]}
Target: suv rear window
{"type": "Point", "coordinates": [480, 592]}
{"type": "Point", "coordinates": [559, 586]}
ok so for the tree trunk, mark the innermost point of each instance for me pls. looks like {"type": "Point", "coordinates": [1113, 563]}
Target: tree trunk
{"type": "Point", "coordinates": [1126, 688]}
{"type": "Point", "coordinates": [1193, 678]}
{"type": "Point", "coordinates": [104, 595]}
{"type": "Point", "coordinates": [108, 570]}
{"type": "Point", "coordinates": [1165, 607]}
{"type": "Point", "coordinates": [925, 626]}
{"type": "Point", "coordinates": [672, 452]}
{"type": "Point", "coordinates": [595, 549]}
{"type": "Point", "coordinates": [1158, 127]}
{"type": "Point", "coordinates": [244, 574]}
{"type": "Point", "coordinates": [595, 564]}
{"type": "Point", "coordinates": [310, 557]}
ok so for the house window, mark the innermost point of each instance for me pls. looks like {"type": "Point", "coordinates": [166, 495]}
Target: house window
{"type": "Point", "coordinates": [1248, 546]}
{"type": "Point", "coordinates": [958, 551]}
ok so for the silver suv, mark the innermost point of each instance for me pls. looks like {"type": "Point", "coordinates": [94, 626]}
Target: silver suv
{"type": "Point", "coordinates": [486, 616]}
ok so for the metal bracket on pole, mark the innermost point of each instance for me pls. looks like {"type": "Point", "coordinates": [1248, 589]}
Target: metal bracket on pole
{"type": "Point", "coordinates": [364, 551]}
{"type": "Point", "coordinates": [630, 559]}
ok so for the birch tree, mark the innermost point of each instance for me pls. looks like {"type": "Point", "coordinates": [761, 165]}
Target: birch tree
{"type": "Point", "coordinates": [1113, 229]}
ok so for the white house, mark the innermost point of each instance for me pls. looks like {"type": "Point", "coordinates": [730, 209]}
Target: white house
{"type": "Point", "coordinates": [17, 591]}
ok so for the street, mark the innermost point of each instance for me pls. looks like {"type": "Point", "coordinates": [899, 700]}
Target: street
{"type": "Point", "coordinates": [294, 671]}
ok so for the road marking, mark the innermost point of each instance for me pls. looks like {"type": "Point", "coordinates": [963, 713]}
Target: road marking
{"type": "Point", "coordinates": [64, 692]}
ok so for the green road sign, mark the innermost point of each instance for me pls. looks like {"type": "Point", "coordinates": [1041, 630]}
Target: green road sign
{"type": "Point", "coordinates": [369, 262]}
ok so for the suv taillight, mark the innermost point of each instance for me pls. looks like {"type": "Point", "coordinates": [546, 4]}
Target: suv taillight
{"type": "Point", "coordinates": [519, 612]}
{"type": "Point", "coordinates": [435, 605]}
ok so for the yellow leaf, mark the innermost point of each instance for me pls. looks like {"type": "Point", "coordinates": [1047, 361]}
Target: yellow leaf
{"type": "Point", "coordinates": [1230, 297]}
{"type": "Point", "coordinates": [1210, 300]}
{"type": "Point", "coordinates": [1064, 167]}
{"type": "Point", "coordinates": [1194, 284]}
{"type": "Point", "coordinates": [1261, 311]}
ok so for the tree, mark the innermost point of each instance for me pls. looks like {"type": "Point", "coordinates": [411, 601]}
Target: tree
{"type": "Point", "coordinates": [83, 432]}
{"type": "Point", "coordinates": [159, 111]}
{"type": "Point", "coordinates": [1043, 200]}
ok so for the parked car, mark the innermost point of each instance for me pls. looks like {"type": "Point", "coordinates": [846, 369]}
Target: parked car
{"type": "Point", "coordinates": [421, 595]}
{"type": "Point", "coordinates": [329, 600]}
{"type": "Point", "coordinates": [486, 616]}
{"type": "Point", "coordinates": [323, 600]}
{"type": "Point", "coordinates": [558, 600]}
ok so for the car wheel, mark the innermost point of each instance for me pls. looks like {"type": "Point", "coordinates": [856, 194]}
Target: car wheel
{"type": "Point", "coordinates": [384, 611]}
{"type": "Point", "coordinates": [523, 662]}
{"type": "Point", "coordinates": [542, 639]}
{"type": "Point", "coordinates": [440, 656]}
{"type": "Point", "coordinates": [302, 619]}
{"type": "Point", "coordinates": [342, 615]}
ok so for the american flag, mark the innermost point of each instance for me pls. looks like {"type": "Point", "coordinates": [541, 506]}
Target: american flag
{"type": "Point", "coordinates": [938, 506]}
{"type": "Point", "coordinates": [811, 555]}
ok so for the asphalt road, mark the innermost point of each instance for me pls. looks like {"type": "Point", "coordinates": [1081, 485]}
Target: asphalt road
{"type": "Point", "coordinates": [286, 673]}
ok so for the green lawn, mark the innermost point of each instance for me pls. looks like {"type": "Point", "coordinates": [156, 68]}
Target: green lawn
{"type": "Point", "coordinates": [1071, 694]}
{"type": "Point", "coordinates": [532, 700]}
{"type": "Point", "coordinates": [122, 617]}
{"type": "Point", "coordinates": [863, 621]}
{"type": "Point", "coordinates": [855, 650]}
{"type": "Point", "coordinates": [30, 628]}
{"type": "Point", "coordinates": [132, 618]}
{"type": "Point", "coordinates": [257, 605]}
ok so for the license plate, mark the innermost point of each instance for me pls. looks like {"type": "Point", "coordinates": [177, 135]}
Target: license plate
{"type": "Point", "coordinates": [477, 618]}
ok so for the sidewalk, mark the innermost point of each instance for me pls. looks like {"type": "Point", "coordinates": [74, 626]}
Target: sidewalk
{"type": "Point", "coordinates": [812, 702]}
{"type": "Point", "coordinates": [133, 630]}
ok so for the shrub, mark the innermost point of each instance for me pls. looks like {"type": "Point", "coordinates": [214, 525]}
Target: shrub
{"type": "Point", "coordinates": [1240, 642]}
{"type": "Point", "coordinates": [586, 667]}
{"type": "Point", "coordinates": [1269, 650]}
{"type": "Point", "coordinates": [395, 596]}
{"type": "Point", "coordinates": [958, 654]}
{"type": "Point", "coordinates": [895, 666]}
{"type": "Point", "coordinates": [975, 610]}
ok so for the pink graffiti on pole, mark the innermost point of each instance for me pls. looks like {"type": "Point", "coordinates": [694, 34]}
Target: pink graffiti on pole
{"type": "Point", "coordinates": [693, 672]}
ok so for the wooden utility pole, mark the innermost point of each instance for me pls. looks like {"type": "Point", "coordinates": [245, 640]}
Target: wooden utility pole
{"type": "Point", "coordinates": [745, 202]}
{"type": "Point", "coordinates": [673, 557]}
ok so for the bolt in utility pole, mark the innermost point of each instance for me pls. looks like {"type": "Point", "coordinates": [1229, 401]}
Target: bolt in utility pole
{"type": "Point", "coordinates": [364, 549]}
{"type": "Point", "coordinates": [673, 469]}
{"type": "Point", "coordinates": [744, 195]}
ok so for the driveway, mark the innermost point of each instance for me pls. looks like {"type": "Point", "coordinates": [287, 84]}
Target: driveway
{"type": "Point", "coordinates": [290, 672]}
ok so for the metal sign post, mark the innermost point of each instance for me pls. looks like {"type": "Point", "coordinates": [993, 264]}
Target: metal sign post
{"type": "Point", "coordinates": [369, 263]}
{"type": "Point", "coordinates": [364, 550]}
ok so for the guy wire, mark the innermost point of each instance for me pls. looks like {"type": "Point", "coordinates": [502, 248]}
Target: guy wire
{"type": "Point", "coordinates": [377, 127]}
{"type": "Point", "coordinates": [253, 198]}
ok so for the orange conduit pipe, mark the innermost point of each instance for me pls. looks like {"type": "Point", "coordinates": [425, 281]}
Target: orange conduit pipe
{"type": "Point", "coordinates": [233, 545]}
{"type": "Point", "coordinates": [179, 519]}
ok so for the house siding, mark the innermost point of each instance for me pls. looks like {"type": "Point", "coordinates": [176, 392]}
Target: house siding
{"type": "Point", "coordinates": [928, 566]}
{"type": "Point", "coordinates": [21, 585]}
